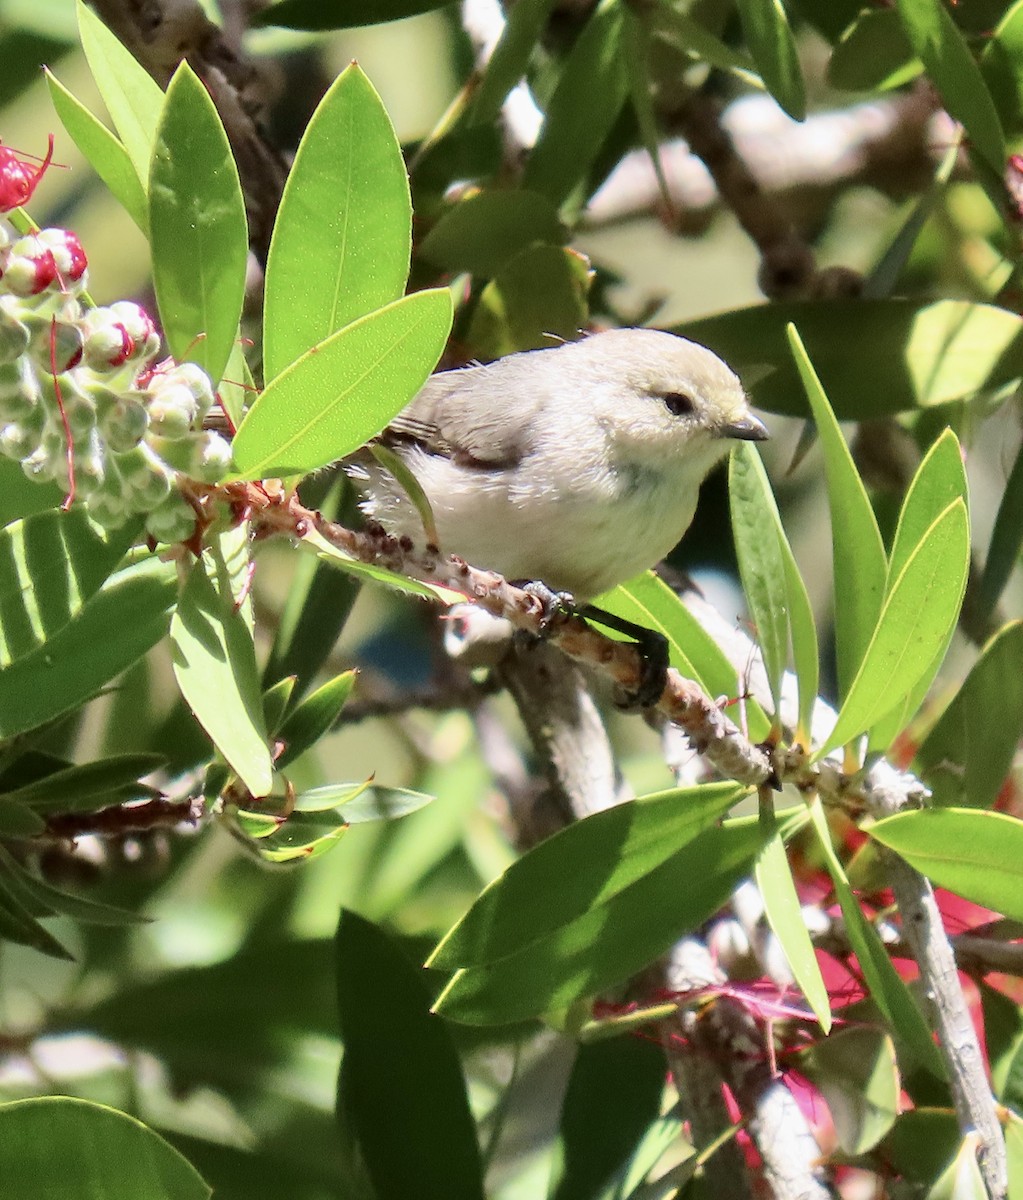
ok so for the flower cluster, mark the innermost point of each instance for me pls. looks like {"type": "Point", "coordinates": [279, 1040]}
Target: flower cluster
{"type": "Point", "coordinates": [83, 401]}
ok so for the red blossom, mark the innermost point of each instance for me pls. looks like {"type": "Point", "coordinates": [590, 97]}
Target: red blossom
{"type": "Point", "coordinates": [19, 177]}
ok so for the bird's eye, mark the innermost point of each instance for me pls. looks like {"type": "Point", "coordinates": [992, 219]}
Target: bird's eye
{"type": "Point", "coordinates": [679, 404]}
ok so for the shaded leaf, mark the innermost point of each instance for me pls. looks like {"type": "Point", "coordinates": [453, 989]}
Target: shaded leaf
{"type": "Point", "coordinates": [342, 236]}
{"type": "Point", "coordinates": [537, 299]}
{"type": "Point", "coordinates": [978, 855]}
{"type": "Point", "coordinates": [612, 940]}
{"type": "Point", "coordinates": [1006, 542]}
{"type": "Point", "coordinates": [18, 923]}
{"type": "Point", "coordinates": [578, 869]}
{"type": "Point", "coordinates": [275, 702]}
{"type": "Point", "coordinates": [1001, 64]}
{"type": "Point", "coordinates": [401, 1090]}
{"type": "Point", "coordinates": [66, 790]}
{"type": "Point", "coordinates": [344, 390]}
{"type": "Point", "coordinates": [967, 755]}
{"type": "Point", "coordinates": [486, 229]}
{"type": "Point", "coordinates": [341, 14]}
{"type": "Point", "coordinates": [61, 1146]}
{"type": "Point", "coordinates": [769, 37]}
{"type": "Point", "coordinates": [873, 54]}
{"type": "Point", "coordinates": [954, 72]}
{"type": "Point", "coordinates": [51, 564]}
{"type": "Point", "coordinates": [122, 621]}
{"type": "Point", "coordinates": [922, 354]}
{"type": "Point", "coordinates": [857, 1075]}
{"type": "Point", "coordinates": [43, 900]}
{"type": "Point", "coordinates": [524, 24]}
{"type": "Point", "coordinates": [582, 111]}
{"type": "Point", "coordinates": [314, 717]}
{"type": "Point", "coordinates": [197, 227]}
{"type": "Point", "coordinates": [681, 30]}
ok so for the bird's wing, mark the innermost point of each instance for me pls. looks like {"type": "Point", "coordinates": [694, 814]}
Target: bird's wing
{"type": "Point", "coordinates": [475, 416]}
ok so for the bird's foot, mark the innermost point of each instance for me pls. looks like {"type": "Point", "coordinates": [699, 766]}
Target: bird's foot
{"type": "Point", "coordinates": [653, 650]}
{"type": "Point", "coordinates": [551, 604]}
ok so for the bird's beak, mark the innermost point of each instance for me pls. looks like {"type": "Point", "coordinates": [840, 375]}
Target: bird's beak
{"type": "Point", "coordinates": [746, 429]}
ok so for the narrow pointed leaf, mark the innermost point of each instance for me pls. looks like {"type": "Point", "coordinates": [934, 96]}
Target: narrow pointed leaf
{"type": "Point", "coordinates": [215, 666]}
{"type": "Point", "coordinates": [51, 564]}
{"type": "Point", "coordinates": [482, 232]}
{"type": "Point", "coordinates": [131, 95]}
{"type": "Point", "coordinates": [612, 940]}
{"type": "Point", "coordinates": [314, 717]}
{"type": "Point", "coordinates": [197, 227]}
{"type": "Point", "coordinates": [756, 527]}
{"type": "Point", "coordinates": [524, 24]}
{"type": "Point", "coordinates": [343, 232]}
{"type": "Point", "coordinates": [344, 390]}
{"type": "Point", "coordinates": [969, 752]}
{"type": "Point", "coordinates": [769, 37]}
{"type": "Point", "coordinates": [888, 990]}
{"type": "Point", "coordinates": [918, 615]}
{"type": "Point", "coordinates": [401, 1091]}
{"type": "Point", "coordinates": [1006, 543]}
{"type": "Point", "coordinates": [953, 70]}
{"type": "Point", "coordinates": [121, 623]}
{"type": "Point", "coordinates": [859, 560]}
{"type": "Point", "coordinates": [978, 855]}
{"type": "Point", "coordinates": [856, 1072]}
{"type": "Point", "coordinates": [940, 479]}
{"type": "Point", "coordinates": [106, 153]}
{"type": "Point", "coordinates": [785, 916]}
{"type": "Point", "coordinates": [76, 783]}
{"type": "Point", "coordinates": [803, 631]}
{"type": "Point", "coordinates": [590, 94]}
{"type": "Point", "coordinates": [578, 869]}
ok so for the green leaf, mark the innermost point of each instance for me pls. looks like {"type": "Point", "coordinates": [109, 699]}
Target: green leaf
{"type": "Point", "coordinates": [21, 496]}
{"type": "Point", "coordinates": [613, 1097]}
{"type": "Point", "coordinates": [919, 613]}
{"type": "Point", "coordinates": [344, 390]}
{"type": "Point", "coordinates": [69, 789]}
{"type": "Point", "coordinates": [132, 96]}
{"type": "Point", "coordinates": [376, 574]}
{"type": "Point", "coordinates": [961, 1179]}
{"type": "Point", "coordinates": [613, 940]}
{"type": "Point", "coordinates": [401, 1091]}
{"type": "Point", "coordinates": [536, 298]}
{"type": "Point", "coordinates": [856, 1073]}
{"type": "Point", "coordinates": [977, 855]}
{"type": "Point", "coordinates": [342, 237]}
{"type": "Point", "coordinates": [680, 29]}
{"type": "Point", "coordinates": [580, 868]}
{"type": "Point", "coordinates": [939, 480]}
{"type": "Point", "coordinates": [785, 917]}
{"type": "Point", "coordinates": [1006, 542]}
{"type": "Point", "coordinates": [858, 552]}
{"type": "Point", "coordinates": [649, 601]}
{"type": "Point", "coordinates": [121, 623]}
{"type": "Point", "coordinates": [636, 36]}
{"type": "Point", "coordinates": [105, 153]}
{"type": "Point", "coordinates": [341, 14]}
{"type": "Point", "coordinates": [803, 631]}
{"type": "Point", "coordinates": [301, 836]}
{"type": "Point", "coordinates": [314, 717]}
{"type": "Point", "coordinates": [1003, 1041]}
{"type": "Point", "coordinates": [363, 802]}
{"type": "Point", "coordinates": [51, 564]}
{"type": "Point", "coordinates": [197, 227]}
{"type": "Point", "coordinates": [952, 69]}
{"type": "Point", "coordinates": [968, 754]}
{"type": "Point", "coordinates": [888, 990]}
{"type": "Point", "coordinates": [215, 666]}
{"type": "Point", "coordinates": [756, 527]}
{"type": "Point", "coordinates": [508, 63]}
{"type": "Point", "coordinates": [275, 702]}
{"type": "Point", "coordinates": [18, 820]}
{"type": "Point", "coordinates": [482, 232]}
{"type": "Point", "coordinates": [42, 899]}
{"type": "Point", "coordinates": [1002, 67]}
{"type": "Point", "coordinates": [873, 54]}
{"type": "Point", "coordinates": [18, 923]}
{"type": "Point", "coordinates": [583, 109]}
{"type": "Point", "coordinates": [61, 1146]}
{"type": "Point", "coordinates": [922, 354]}
{"type": "Point", "coordinates": [769, 37]}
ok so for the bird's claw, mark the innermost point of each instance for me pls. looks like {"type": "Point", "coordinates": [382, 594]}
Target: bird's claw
{"type": "Point", "coordinates": [551, 604]}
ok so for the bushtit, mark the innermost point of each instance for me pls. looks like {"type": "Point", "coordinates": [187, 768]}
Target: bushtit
{"type": "Point", "coordinates": [577, 465]}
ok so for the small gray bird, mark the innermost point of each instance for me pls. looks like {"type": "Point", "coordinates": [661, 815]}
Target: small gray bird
{"type": "Point", "coordinates": [577, 465]}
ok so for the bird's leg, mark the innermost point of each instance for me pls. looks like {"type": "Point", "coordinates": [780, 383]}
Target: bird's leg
{"type": "Point", "coordinates": [653, 649]}
{"type": "Point", "coordinates": [551, 603]}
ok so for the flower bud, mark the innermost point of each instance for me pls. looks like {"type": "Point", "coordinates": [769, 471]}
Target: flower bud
{"type": "Point", "coordinates": [121, 417]}
{"type": "Point", "coordinates": [68, 257]}
{"type": "Point", "coordinates": [14, 333]}
{"type": "Point", "coordinates": [171, 412]}
{"type": "Point", "coordinates": [172, 521]}
{"type": "Point", "coordinates": [212, 459]}
{"type": "Point", "coordinates": [19, 391]}
{"type": "Point", "coordinates": [55, 345]}
{"type": "Point", "coordinates": [30, 268]}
